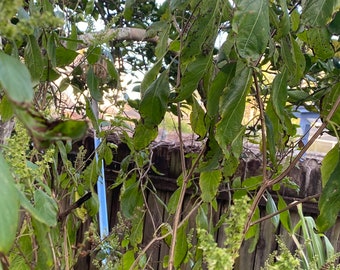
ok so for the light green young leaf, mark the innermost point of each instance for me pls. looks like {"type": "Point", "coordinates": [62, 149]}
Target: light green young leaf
{"type": "Point", "coordinates": [9, 208]}
{"type": "Point", "coordinates": [329, 163]}
{"type": "Point", "coordinates": [15, 79]}
{"type": "Point", "coordinates": [319, 12]}
{"type": "Point", "coordinates": [143, 136]}
{"type": "Point", "coordinates": [155, 101]}
{"type": "Point", "coordinates": [284, 216]}
{"type": "Point", "coordinates": [251, 25]}
{"type": "Point", "coordinates": [232, 105]}
{"type": "Point", "coordinates": [271, 209]}
{"type": "Point", "coordinates": [209, 182]}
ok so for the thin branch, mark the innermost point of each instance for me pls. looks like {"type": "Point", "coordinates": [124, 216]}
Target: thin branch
{"type": "Point", "coordinates": [289, 206]}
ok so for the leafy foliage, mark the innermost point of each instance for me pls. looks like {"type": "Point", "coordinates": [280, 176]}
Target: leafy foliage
{"type": "Point", "coordinates": [274, 57]}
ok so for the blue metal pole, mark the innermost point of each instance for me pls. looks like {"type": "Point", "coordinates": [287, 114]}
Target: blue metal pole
{"type": "Point", "coordinates": [101, 190]}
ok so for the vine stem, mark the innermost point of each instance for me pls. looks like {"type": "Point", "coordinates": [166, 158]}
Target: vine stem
{"type": "Point", "coordinates": [271, 182]}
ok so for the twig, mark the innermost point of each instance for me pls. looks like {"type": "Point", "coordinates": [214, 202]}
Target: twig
{"type": "Point", "coordinates": [77, 204]}
{"type": "Point", "coordinates": [289, 206]}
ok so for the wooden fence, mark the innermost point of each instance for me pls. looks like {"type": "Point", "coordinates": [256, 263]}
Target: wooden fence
{"type": "Point", "coordinates": [166, 159]}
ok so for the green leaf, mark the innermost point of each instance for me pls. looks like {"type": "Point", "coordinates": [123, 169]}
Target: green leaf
{"type": "Point", "coordinates": [254, 231]}
{"type": "Point", "coordinates": [319, 12]}
{"type": "Point", "coordinates": [42, 217]}
{"type": "Point", "coordinates": [9, 208]}
{"type": "Point", "coordinates": [136, 236]}
{"type": "Point", "coordinates": [192, 75]}
{"type": "Point", "coordinates": [334, 26]}
{"type": "Point", "coordinates": [33, 58]}
{"type": "Point", "coordinates": [329, 202]}
{"type": "Point", "coordinates": [68, 129]}
{"type": "Point", "coordinates": [271, 209]}
{"type": "Point", "coordinates": [220, 82]}
{"type": "Point", "coordinates": [93, 55]}
{"type": "Point", "coordinates": [326, 105]}
{"type": "Point", "coordinates": [155, 101]}
{"type": "Point", "coordinates": [128, 10]}
{"type": "Point", "coordinates": [181, 247]}
{"type": "Point", "coordinates": [72, 43]}
{"type": "Point", "coordinates": [319, 39]}
{"type": "Point", "coordinates": [279, 94]}
{"type": "Point", "coordinates": [89, 7]}
{"type": "Point", "coordinates": [232, 107]}
{"type": "Point", "coordinates": [65, 56]}
{"type": "Point", "coordinates": [251, 25]}
{"type": "Point", "coordinates": [51, 48]}
{"type": "Point", "coordinates": [209, 182]}
{"type": "Point", "coordinates": [131, 197]}
{"type": "Point", "coordinates": [127, 260]}
{"type": "Point", "coordinates": [6, 110]}
{"type": "Point", "coordinates": [143, 136]}
{"type": "Point", "coordinates": [284, 21]}
{"type": "Point", "coordinates": [329, 163]}
{"type": "Point", "coordinates": [203, 30]}
{"type": "Point", "coordinates": [46, 206]}
{"type": "Point", "coordinates": [173, 201]}
{"type": "Point", "coordinates": [113, 72]}
{"type": "Point", "coordinates": [93, 85]}
{"type": "Point", "coordinates": [284, 216]}
{"type": "Point", "coordinates": [197, 119]}
{"type": "Point", "coordinates": [294, 60]}
{"type": "Point", "coordinates": [16, 79]}
{"type": "Point", "coordinates": [252, 183]}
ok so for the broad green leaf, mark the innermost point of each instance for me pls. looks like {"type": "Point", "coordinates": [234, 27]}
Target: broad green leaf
{"type": "Point", "coordinates": [202, 221]}
{"type": "Point", "coordinates": [65, 56]}
{"type": "Point", "coordinates": [202, 31]}
{"type": "Point", "coordinates": [89, 7]}
{"type": "Point", "coordinates": [44, 250]}
{"type": "Point", "coordinates": [319, 39]}
{"type": "Point", "coordinates": [91, 115]}
{"type": "Point", "coordinates": [294, 60]}
{"type": "Point", "coordinates": [284, 216]}
{"type": "Point", "coordinates": [42, 217]}
{"type": "Point", "coordinates": [181, 247]}
{"type": "Point", "coordinates": [197, 119]}
{"type": "Point", "coordinates": [127, 260]}
{"type": "Point", "coordinates": [155, 101]}
{"type": "Point", "coordinates": [253, 182]}
{"type": "Point", "coordinates": [143, 136]}
{"type": "Point", "coordinates": [173, 201]}
{"type": "Point", "coordinates": [68, 129]}
{"type": "Point", "coordinates": [113, 72]}
{"type": "Point", "coordinates": [251, 25]}
{"type": "Point", "coordinates": [329, 202]}
{"type": "Point", "coordinates": [131, 197]}
{"type": "Point", "coordinates": [128, 10]}
{"type": "Point", "coordinates": [271, 209]}
{"type": "Point", "coordinates": [329, 163]}
{"type": "Point", "coordinates": [232, 105]}
{"type": "Point", "coordinates": [279, 94]}
{"type": "Point", "coordinates": [136, 236]}
{"type": "Point", "coordinates": [33, 58]}
{"type": "Point", "coordinates": [192, 75]}
{"type": "Point", "coordinates": [93, 85]}
{"type": "Point", "coordinates": [51, 48]}
{"type": "Point", "coordinates": [9, 208]}
{"type": "Point", "coordinates": [93, 55]}
{"type": "Point", "coordinates": [46, 206]}
{"type": "Point", "coordinates": [318, 12]}
{"type": "Point", "coordinates": [284, 21]}
{"type": "Point", "coordinates": [6, 110]}
{"type": "Point", "coordinates": [220, 82]}
{"type": "Point", "coordinates": [209, 182]}
{"type": "Point", "coordinates": [15, 79]}
{"type": "Point", "coordinates": [72, 43]}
